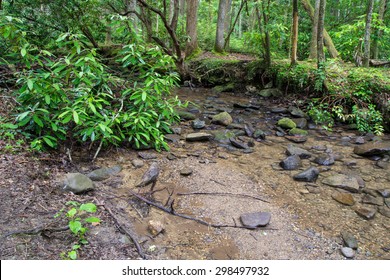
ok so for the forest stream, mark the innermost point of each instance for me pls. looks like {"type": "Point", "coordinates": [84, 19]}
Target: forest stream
{"type": "Point", "coordinates": [234, 171]}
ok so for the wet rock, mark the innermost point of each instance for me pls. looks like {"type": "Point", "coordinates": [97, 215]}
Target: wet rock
{"type": "Point", "coordinates": [373, 149]}
{"type": "Point", "coordinates": [186, 172]}
{"type": "Point", "coordinates": [368, 199]}
{"type": "Point", "coordinates": [366, 212]}
{"type": "Point", "coordinates": [155, 227]}
{"type": "Point", "coordinates": [145, 155]}
{"type": "Point", "coordinates": [279, 110]}
{"type": "Point", "coordinates": [238, 144]}
{"type": "Point", "coordinates": [296, 112]}
{"type": "Point", "coordinates": [184, 115]}
{"type": "Point", "coordinates": [300, 122]}
{"type": "Point", "coordinates": [137, 163]}
{"type": "Point", "coordinates": [77, 183]}
{"type": "Point", "coordinates": [342, 181]}
{"type": "Point", "coordinates": [104, 173]}
{"type": "Point", "coordinates": [287, 123]}
{"type": "Point", "coordinates": [259, 134]}
{"type": "Point", "coordinates": [325, 160]}
{"type": "Point", "coordinates": [385, 211]}
{"type": "Point", "coordinates": [223, 118]}
{"type": "Point", "coordinates": [198, 124]}
{"type": "Point", "coordinates": [176, 130]}
{"type": "Point", "coordinates": [349, 240]}
{"type": "Point", "coordinates": [309, 175]}
{"type": "Point", "coordinates": [291, 163]}
{"type": "Point", "coordinates": [343, 198]}
{"type": "Point", "coordinates": [295, 150]}
{"type": "Point", "coordinates": [256, 219]}
{"type": "Point", "coordinates": [384, 193]}
{"type": "Point", "coordinates": [360, 140]}
{"type": "Point", "coordinates": [296, 139]}
{"type": "Point", "coordinates": [249, 130]}
{"type": "Point", "coordinates": [348, 252]}
{"type": "Point", "coordinates": [199, 136]}
{"type": "Point", "coordinates": [150, 176]}
{"type": "Point", "coordinates": [268, 92]}
{"type": "Point", "coordinates": [297, 132]}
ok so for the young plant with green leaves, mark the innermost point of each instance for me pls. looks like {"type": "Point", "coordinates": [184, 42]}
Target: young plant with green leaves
{"type": "Point", "coordinates": [78, 218]}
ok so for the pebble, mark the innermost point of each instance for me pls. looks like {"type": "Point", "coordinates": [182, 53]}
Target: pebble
{"type": "Point", "coordinates": [349, 240]}
{"type": "Point", "coordinates": [155, 227]}
{"type": "Point", "coordinates": [348, 252]}
{"type": "Point", "coordinates": [343, 198]}
{"type": "Point", "coordinates": [324, 160]}
{"type": "Point", "coordinates": [137, 163]}
{"type": "Point", "coordinates": [365, 212]}
{"type": "Point", "coordinates": [291, 163]}
{"type": "Point", "coordinates": [384, 193]}
{"type": "Point", "coordinates": [199, 136]}
{"type": "Point", "coordinates": [186, 172]}
{"type": "Point", "coordinates": [256, 219]}
{"type": "Point", "coordinates": [309, 175]}
{"type": "Point", "coordinates": [145, 155]}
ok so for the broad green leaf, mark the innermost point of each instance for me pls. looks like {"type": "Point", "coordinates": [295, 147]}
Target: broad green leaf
{"type": "Point", "coordinates": [30, 84]}
{"type": "Point", "coordinates": [88, 207]}
{"type": "Point", "coordinates": [72, 255]}
{"type": "Point", "coordinates": [48, 142]}
{"type": "Point", "coordinates": [75, 226]}
{"type": "Point", "coordinates": [47, 99]}
{"type": "Point", "coordinates": [71, 212]}
{"type": "Point", "coordinates": [23, 52]}
{"type": "Point", "coordinates": [37, 120]}
{"type": "Point", "coordinates": [76, 117]}
{"type": "Point", "coordinates": [92, 220]}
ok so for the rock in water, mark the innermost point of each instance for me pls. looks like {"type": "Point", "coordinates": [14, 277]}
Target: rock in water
{"type": "Point", "coordinates": [150, 176]}
{"type": "Point", "coordinates": [223, 118]}
{"type": "Point", "coordinates": [77, 183]}
{"type": "Point", "coordinates": [291, 163]}
{"type": "Point", "coordinates": [373, 149]}
{"type": "Point", "coordinates": [256, 219]}
{"type": "Point", "coordinates": [104, 173]}
{"type": "Point", "coordinates": [309, 175]}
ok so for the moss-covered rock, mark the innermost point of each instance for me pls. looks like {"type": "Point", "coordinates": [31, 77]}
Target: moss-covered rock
{"type": "Point", "coordinates": [297, 132]}
{"type": "Point", "coordinates": [223, 118]}
{"type": "Point", "coordinates": [287, 123]}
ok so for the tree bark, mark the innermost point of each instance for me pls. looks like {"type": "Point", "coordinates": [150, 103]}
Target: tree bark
{"type": "Point", "coordinates": [219, 37]}
{"type": "Point", "coordinates": [294, 37]}
{"type": "Point", "coordinates": [320, 35]}
{"type": "Point", "coordinates": [379, 32]}
{"type": "Point", "coordinates": [367, 34]}
{"type": "Point", "coordinates": [1, 5]}
{"type": "Point", "coordinates": [328, 41]}
{"type": "Point", "coordinates": [313, 42]}
{"type": "Point", "coordinates": [267, 41]}
{"type": "Point", "coordinates": [191, 27]}
{"type": "Point", "coordinates": [238, 17]}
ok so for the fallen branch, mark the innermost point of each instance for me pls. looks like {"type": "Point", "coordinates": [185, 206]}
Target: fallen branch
{"type": "Point", "coordinates": [172, 212]}
{"type": "Point", "coordinates": [225, 193]}
{"type": "Point", "coordinates": [35, 231]}
{"type": "Point", "coordinates": [124, 230]}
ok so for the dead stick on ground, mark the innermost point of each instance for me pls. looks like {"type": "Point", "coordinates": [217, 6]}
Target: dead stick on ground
{"type": "Point", "coordinates": [224, 193]}
{"type": "Point", "coordinates": [172, 212]}
{"type": "Point", "coordinates": [123, 229]}
{"type": "Point", "coordinates": [35, 231]}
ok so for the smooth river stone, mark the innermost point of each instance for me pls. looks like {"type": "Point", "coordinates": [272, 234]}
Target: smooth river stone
{"type": "Point", "coordinates": [256, 219]}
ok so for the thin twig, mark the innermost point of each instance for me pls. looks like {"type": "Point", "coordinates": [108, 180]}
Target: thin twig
{"type": "Point", "coordinates": [172, 212]}
{"type": "Point", "coordinates": [225, 193]}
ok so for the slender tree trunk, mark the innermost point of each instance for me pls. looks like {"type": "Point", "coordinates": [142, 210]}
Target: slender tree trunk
{"type": "Point", "coordinates": [294, 37]}
{"type": "Point", "coordinates": [267, 42]}
{"type": "Point", "coordinates": [219, 37]}
{"type": "Point", "coordinates": [367, 34]}
{"type": "Point", "coordinates": [1, 5]}
{"type": "Point", "coordinates": [314, 30]}
{"type": "Point", "coordinates": [238, 17]}
{"type": "Point", "coordinates": [191, 27]}
{"type": "Point", "coordinates": [328, 41]}
{"type": "Point", "coordinates": [320, 35]}
{"type": "Point", "coordinates": [379, 32]}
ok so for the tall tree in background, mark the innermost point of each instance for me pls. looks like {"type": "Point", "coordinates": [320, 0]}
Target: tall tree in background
{"type": "Point", "coordinates": [379, 31]}
{"type": "Point", "coordinates": [367, 34]}
{"type": "Point", "coordinates": [314, 30]}
{"type": "Point", "coordinates": [219, 37]}
{"type": "Point", "coordinates": [294, 37]}
{"type": "Point", "coordinates": [327, 39]}
{"type": "Point", "coordinates": [191, 27]}
{"type": "Point", "coordinates": [267, 39]}
{"type": "Point", "coordinates": [320, 35]}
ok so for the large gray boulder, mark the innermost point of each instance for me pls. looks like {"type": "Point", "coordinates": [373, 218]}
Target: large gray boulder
{"type": "Point", "coordinates": [373, 149]}
{"type": "Point", "coordinates": [77, 183]}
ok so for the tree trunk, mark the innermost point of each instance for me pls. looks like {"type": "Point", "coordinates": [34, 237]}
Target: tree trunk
{"type": "Point", "coordinates": [294, 37]}
{"type": "Point", "coordinates": [320, 35]}
{"type": "Point", "coordinates": [191, 27]}
{"type": "Point", "coordinates": [238, 17]}
{"type": "Point", "coordinates": [314, 30]}
{"type": "Point", "coordinates": [367, 34]}
{"type": "Point", "coordinates": [1, 5]}
{"type": "Point", "coordinates": [132, 6]}
{"type": "Point", "coordinates": [267, 42]}
{"type": "Point", "coordinates": [328, 41]}
{"type": "Point", "coordinates": [379, 32]}
{"type": "Point", "coordinates": [219, 38]}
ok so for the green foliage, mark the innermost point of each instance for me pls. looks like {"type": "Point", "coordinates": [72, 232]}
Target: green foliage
{"type": "Point", "coordinates": [77, 217]}
{"type": "Point", "coordinates": [9, 136]}
{"type": "Point", "coordinates": [75, 97]}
